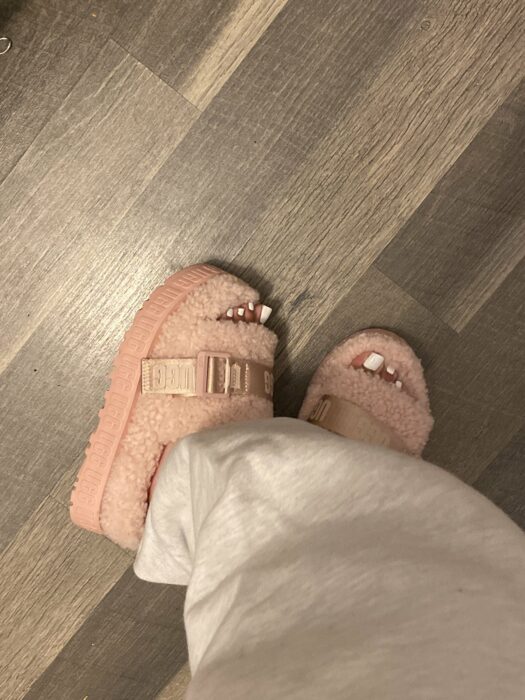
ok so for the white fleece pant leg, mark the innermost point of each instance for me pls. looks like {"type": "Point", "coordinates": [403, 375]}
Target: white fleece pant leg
{"type": "Point", "coordinates": [321, 568]}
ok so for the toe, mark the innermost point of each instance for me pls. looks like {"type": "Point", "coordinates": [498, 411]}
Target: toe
{"type": "Point", "coordinates": [375, 363]}
{"type": "Point", "coordinates": [359, 360]}
{"type": "Point", "coordinates": [389, 373]}
{"type": "Point", "coordinates": [370, 361]}
{"type": "Point", "coordinates": [248, 313]}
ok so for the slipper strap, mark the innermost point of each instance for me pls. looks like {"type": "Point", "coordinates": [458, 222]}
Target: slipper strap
{"type": "Point", "coordinates": [351, 421]}
{"type": "Point", "coordinates": [216, 374]}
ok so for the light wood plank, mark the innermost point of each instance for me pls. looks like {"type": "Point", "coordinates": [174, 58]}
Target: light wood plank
{"type": "Point", "coordinates": [178, 685]}
{"type": "Point", "coordinates": [53, 575]}
{"type": "Point", "coordinates": [196, 47]}
{"type": "Point", "coordinates": [76, 182]}
{"type": "Point", "coordinates": [53, 44]}
{"type": "Point", "coordinates": [467, 236]}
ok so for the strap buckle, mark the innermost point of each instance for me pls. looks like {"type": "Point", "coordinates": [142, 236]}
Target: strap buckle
{"type": "Point", "coordinates": [214, 374]}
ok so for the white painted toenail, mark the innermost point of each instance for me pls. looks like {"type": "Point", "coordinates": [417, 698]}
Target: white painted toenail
{"type": "Point", "coordinates": [374, 362]}
{"type": "Point", "coordinates": [229, 313]}
{"type": "Point", "coordinates": [399, 384]}
{"type": "Point", "coordinates": [265, 314]}
{"type": "Point", "coordinates": [240, 312]}
{"type": "Point", "coordinates": [251, 306]}
{"type": "Point", "coordinates": [390, 370]}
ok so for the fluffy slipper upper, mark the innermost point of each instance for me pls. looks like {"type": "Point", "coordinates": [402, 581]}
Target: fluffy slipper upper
{"type": "Point", "coordinates": [158, 420]}
{"type": "Point", "coordinates": [406, 411]}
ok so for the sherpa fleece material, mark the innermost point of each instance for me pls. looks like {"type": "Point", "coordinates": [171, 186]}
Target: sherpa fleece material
{"type": "Point", "coordinates": [158, 420]}
{"type": "Point", "coordinates": [406, 412]}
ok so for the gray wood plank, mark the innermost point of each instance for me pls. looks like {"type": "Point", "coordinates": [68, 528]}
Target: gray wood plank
{"type": "Point", "coordinates": [134, 639]}
{"type": "Point", "coordinates": [103, 14]}
{"type": "Point", "coordinates": [53, 44]}
{"type": "Point", "coordinates": [76, 182]}
{"type": "Point", "coordinates": [195, 46]}
{"type": "Point", "coordinates": [468, 235]}
{"type": "Point", "coordinates": [52, 576]}
{"type": "Point", "coordinates": [477, 386]}
{"type": "Point", "coordinates": [390, 147]}
{"type": "Point", "coordinates": [503, 481]}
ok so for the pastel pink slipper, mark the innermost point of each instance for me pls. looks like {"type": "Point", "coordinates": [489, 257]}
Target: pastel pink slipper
{"type": "Point", "coordinates": [180, 369]}
{"type": "Point", "coordinates": [359, 403]}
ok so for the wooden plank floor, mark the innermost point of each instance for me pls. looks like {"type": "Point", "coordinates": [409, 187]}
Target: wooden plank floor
{"type": "Point", "coordinates": [362, 163]}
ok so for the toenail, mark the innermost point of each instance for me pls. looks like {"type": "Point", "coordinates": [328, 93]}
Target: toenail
{"type": "Point", "coordinates": [265, 314]}
{"type": "Point", "coordinates": [374, 362]}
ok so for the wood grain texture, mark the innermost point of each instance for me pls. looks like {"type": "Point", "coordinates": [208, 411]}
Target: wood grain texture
{"type": "Point", "coordinates": [387, 152]}
{"type": "Point", "coordinates": [236, 162]}
{"type": "Point", "coordinates": [196, 46]}
{"type": "Point", "coordinates": [478, 391]}
{"type": "Point", "coordinates": [503, 480]}
{"type": "Point", "coordinates": [134, 638]}
{"type": "Point", "coordinates": [49, 392]}
{"type": "Point", "coordinates": [176, 688]}
{"type": "Point", "coordinates": [79, 177]}
{"type": "Point", "coordinates": [53, 387]}
{"type": "Point", "coordinates": [77, 180]}
{"type": "Point", "coordinates": [53, 44]}
{"type": "Point", "coordinates": [468, 235]}
{"type": "Point", "coordinates": [53, 575]}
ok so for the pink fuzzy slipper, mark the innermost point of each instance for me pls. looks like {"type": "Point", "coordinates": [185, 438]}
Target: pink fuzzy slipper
{"type": "Point", "coordinates": [181, 368]}
{"type": "Point", "coordinates": [358, 403]}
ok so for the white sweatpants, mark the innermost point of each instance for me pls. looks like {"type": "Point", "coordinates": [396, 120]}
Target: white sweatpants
{"type": "Point", "coordinates": [320, 568]}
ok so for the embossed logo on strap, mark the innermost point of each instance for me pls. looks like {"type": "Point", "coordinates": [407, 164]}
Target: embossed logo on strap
{"type": "Point", "coordinates": [166, 376]}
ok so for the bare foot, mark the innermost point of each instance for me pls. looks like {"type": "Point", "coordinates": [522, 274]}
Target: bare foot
{"type": "Point", "coordinates": [248, 313]}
